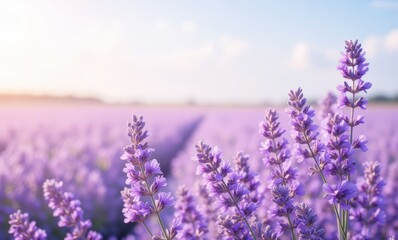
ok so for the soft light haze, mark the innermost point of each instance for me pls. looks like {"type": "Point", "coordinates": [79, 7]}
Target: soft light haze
{"type": "Point", "coordinates": [243, 52]}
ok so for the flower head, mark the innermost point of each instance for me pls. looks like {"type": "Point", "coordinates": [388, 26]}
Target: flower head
{"type": "Point", "coordinates": [368, 206]}
{"type": "Point", "coordinates": [22, 229]}
{"type": "Point", "coordinates": [353, 67]}
{"type": "Point", "coordinates": [225, 184]}
{"type": "Point", "coordinates": [67, 209]}
{"type": "Point", "coordinates": [340, 194]}
{"type": "Point", "coordinates": [194, 224]}
{"type": "Point", "coordinates": [307, 223]}
{"type": "Point", "coordinates": [145, 180]}
{"type": "Point", "coordinates": [353, 57]}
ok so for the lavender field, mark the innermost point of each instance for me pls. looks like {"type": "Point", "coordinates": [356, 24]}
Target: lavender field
{"type": "Point", "coordinates": [198, 120]}
{"type": "Point", "coordinates": [82, 146]}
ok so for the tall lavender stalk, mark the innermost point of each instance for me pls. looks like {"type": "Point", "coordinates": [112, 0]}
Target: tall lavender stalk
{"type": "Point", "coordinates": [68, 209]}
{"type": "Point", "coordinates": [368, 207]}
{"type": "Point", "coordinates": [342, 164]}
{"type": "Point", "coordinates": [283, 177]}
{"type": "Point", "coordinates": [353, 67]}
{"type": "Point", "coordinates": [308, 146]}
{"type": "Point", "coordinates": [223, 182]}
{"type": "Point", "coordinates": [307, 223]}
{"type": "Point", "coordinates": [22, 229]}
{"type": "Point", "coordinates": [248, 178]}
{"type": "Point", "coordinates": [145, 179]}
{"type": "Point", "coordinates": [194, 226]}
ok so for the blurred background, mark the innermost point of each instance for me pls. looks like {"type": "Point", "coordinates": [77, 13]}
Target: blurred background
{"type": "Point", "coordinates": [72, 73]}
{"type": "Point", "coordinates": [191, 52]}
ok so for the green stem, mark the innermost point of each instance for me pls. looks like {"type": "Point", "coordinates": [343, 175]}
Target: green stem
{"type": "Point", "coordinates": [154, 206]}
{"type": "Point", "coordinates": [344, 234]}
{"type": "Point", "coordinates": [339, 230]}
{"type": "Point", "coordinates": [291, 227]}
{"type": "Point", "coordinates": [158, 216]}
{"type": "Point", "coordinates": [324, 181]}
{"type": "Point", "coordinates": [345, 212]}
{"type": "Point", "coordinates": [149, 231]}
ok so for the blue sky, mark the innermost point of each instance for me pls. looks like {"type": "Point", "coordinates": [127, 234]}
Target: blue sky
{"type": "Point", "coordinates": [244, 52]}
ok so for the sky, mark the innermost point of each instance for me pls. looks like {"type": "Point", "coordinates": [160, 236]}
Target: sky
{"type": "Point", "coordinates": [217, 52]}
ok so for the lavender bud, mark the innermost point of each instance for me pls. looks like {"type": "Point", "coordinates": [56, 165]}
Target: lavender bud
{"type": "Point", "coordinates": [22, 229]}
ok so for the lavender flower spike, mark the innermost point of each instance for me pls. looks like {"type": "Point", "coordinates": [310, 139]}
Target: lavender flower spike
{"type": "Point", "coordinates": [248, 178]}
{"type": "Point", "coordinates": [368, 210]}
{"type": "Point", "coordinates": [284, 184]}
{"type": "Point", "coordinates": [353, 67]}
{"type": "Point", "coordinates": [145, 179]}
{"type": "Point", "coordinates": [342, 164]}
{"type": "Point", "coordinates": [303, 131]}
{"type": "Point", "coordinates": [223, 182]}
{"type": "Point", "coordinates": [307, 223]}
{"type": "Point", "coordinates": [340, 194]}
{"type": "Point", "coordinates": [68, 209]}
{"type": "Point", "coordinates": [22, 229]}
{"type": "Point", "coordinates": [194, 225]}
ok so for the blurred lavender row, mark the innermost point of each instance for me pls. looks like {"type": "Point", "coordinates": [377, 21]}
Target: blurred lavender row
{"type": "Point", "coordinates": [80, 147]}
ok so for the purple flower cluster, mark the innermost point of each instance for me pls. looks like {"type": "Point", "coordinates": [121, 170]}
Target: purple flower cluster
{"type": "Point", "coordinates": [145, 179]}
{"type": "Point", "coordinates": [337, 157]}
{"type": "Point", "coordinates": [284, 185]}
{"type": "Point", "coordinates": [248, 178]}
{"type": "Point", "coordinates": [224, 184]}
{"type": "Point", "coordinates": [193, 222]}
{"type": "Point", "coordinates": [353, 67]}
{"type": "Point", "coordinates": [68, 210]}
{"type": "Point", "coordinates": [340, 193]}
{"type": "Point", "coordinates": [307, 223]}
{"type": "Point", "coordinates": [22, 229]}
{"type": "Point", "coordinates": [342, 163]}
{"type": "Point", "coordinates": [305, 134]}
{"type": "Point", "coordinates": [368, 205]}
{"type": "Point", "coordinates": [334, 159]}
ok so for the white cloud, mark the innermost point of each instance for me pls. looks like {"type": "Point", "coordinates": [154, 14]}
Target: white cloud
{"type": "Point", "coordinates": [300, 58]}
{"type": "Point", "coordinates": [220, 51]}
{"type": "Point", "coordinates": [306, 56]}
{"type": "Point", "coordinates": [391, 40]}
{"type": "Point", "coordinates": [233, 47]}
{"type": "Point", "coordinates": [372, 46]}
{"type": "Point", "coordinates": [188, 27]}
{"type": "Point", "coordinates": [376, 45]}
